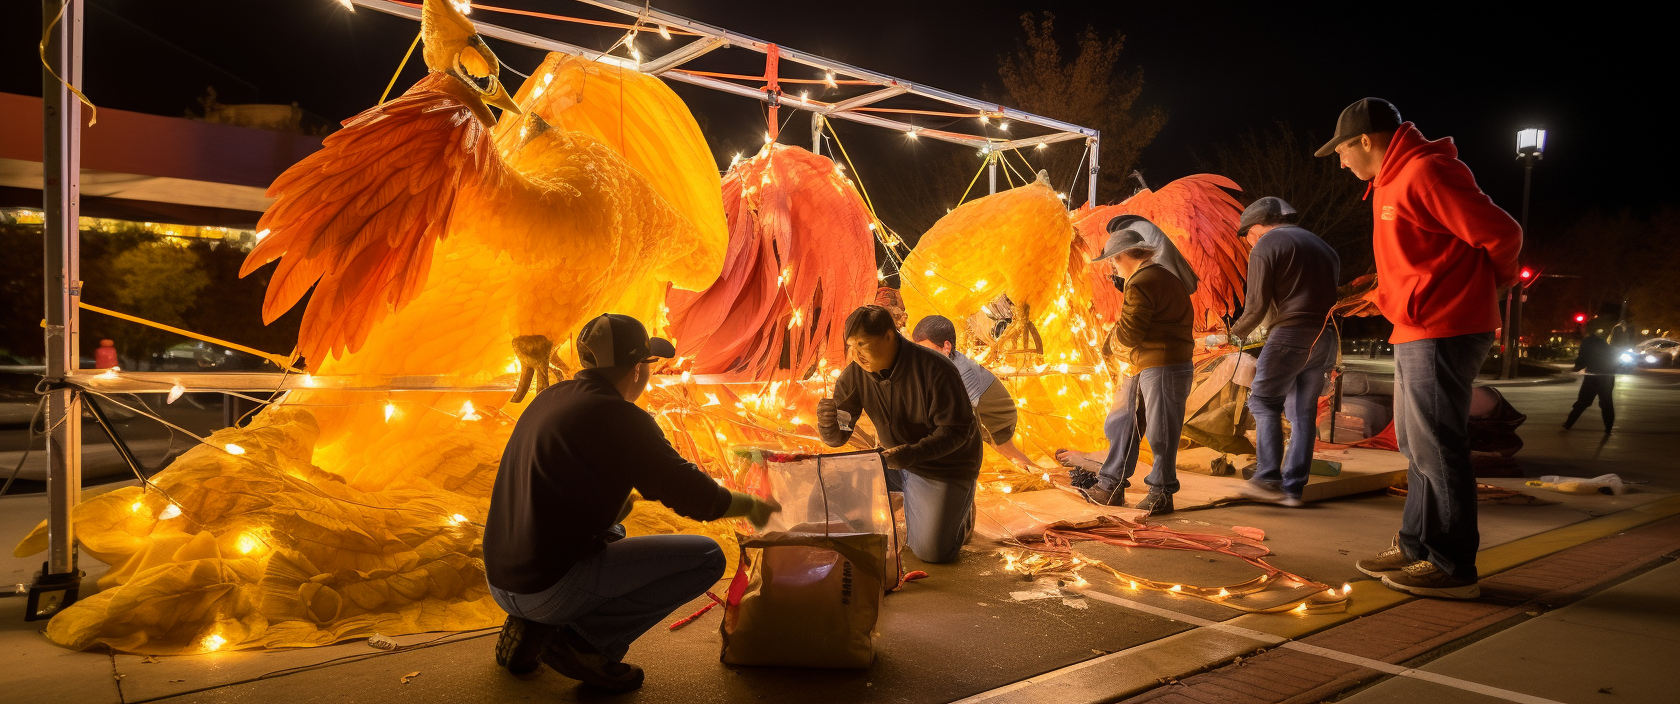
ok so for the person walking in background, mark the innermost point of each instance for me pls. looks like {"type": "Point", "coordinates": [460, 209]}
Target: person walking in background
{"type": "Point", "coordinates": [1443, 250]}
{"type": "Point", "coordinates": [1598, 359]}
{"type": "Point", "coordinates": [1292, 276]}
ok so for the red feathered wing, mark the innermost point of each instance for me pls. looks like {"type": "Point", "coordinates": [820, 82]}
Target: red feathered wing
{"type": "Point", "coordinates": [361, 216]}
{"type": "Point", "coordinates": [789, 211]}
{"type": "Point", "coordinates": [1201, 219]}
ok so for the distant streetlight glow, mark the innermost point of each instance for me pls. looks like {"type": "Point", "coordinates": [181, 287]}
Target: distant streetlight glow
{"type": "Point", "coordinates": [1531, 141]}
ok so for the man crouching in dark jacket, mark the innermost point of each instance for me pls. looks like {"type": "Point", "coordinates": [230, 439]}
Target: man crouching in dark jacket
{"type": "Point", "coordinates": [577, 592]}
{"type": "Point", "coordinates": [1154, 340]}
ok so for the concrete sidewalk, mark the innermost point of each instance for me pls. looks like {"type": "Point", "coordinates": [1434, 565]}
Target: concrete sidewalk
{"type": "Point", "coordinates": [1618, 645]}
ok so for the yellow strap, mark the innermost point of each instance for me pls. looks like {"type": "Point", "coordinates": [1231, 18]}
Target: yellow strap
{"type": "Point", "coordinates": [93, 116]}
{"type": "Point", "coordinates": [279, 361]}
{"type": "Point", "coordinates": [400, 67]}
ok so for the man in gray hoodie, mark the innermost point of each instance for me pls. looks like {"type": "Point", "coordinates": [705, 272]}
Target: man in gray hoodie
{"type": "Point", "coordinates": [1292, 275]}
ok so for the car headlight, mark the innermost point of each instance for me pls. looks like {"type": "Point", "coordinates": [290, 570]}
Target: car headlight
{"type": "Point", "coordinates": [1650, 359]}
{"type": "Point", "coordinates": [1627, 358]}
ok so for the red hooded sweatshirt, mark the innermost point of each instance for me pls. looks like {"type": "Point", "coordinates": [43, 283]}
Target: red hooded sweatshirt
{"type": "Point", "coordinates": [1442, 247]}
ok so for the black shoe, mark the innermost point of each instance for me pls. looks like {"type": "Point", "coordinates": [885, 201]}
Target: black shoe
{"type": "Point", "coordinates": [520, 647]}
{"type": "Point", "coordinates": [573, 657]}
{"type": "Point", "coordinates": [1156, 503]}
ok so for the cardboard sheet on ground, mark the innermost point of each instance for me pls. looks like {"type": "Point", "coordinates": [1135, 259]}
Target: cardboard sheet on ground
{"type": "Point", "coordinates": [1027, 513]}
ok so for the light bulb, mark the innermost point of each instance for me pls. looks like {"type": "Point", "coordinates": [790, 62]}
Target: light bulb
{"type": "Point", "coordinates": [175, 393]}
{"type": "Point", "coordinates": [390, 410]}
{"type": "Point", "coordinates": [468, 413]}
{"type": "Point", "coordinates": [984, 119]}
{"type": "Point", "coordinates": [1003, 126]}
{"type": "Point", "coordinates": [512, 367]}
{"type": "Point", "coordinates": [111, 373]}
{"type": "Point", "coordinates": [768, 139]}
{"type": "Point", "coordinates": [1041, 145]}
{"type": "Point", "coordinates": [264, 232]}
{"type": "Point", "coordinates": [212, 643]}
{"type": "Point", "coordinates": [170, 511]}
{"type": "Point", "coordinates": [233, 449]}
{"type": "Point", "coordinates": [664, 32]}
{"type": "Point", "coordinates": [248, 543]}
{"type": "Point", "coordinates": [137, 506]}
{"type": "Point", "coordinates": [458, 519]}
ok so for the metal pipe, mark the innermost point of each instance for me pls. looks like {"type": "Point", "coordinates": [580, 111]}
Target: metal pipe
{"type": "Point", "coordinates": [816, 133]}
{"type": "Point", "coordinates": [1512, 333]}
{"type": "Point", "coordinates": [60, 188]}
{"type": "Point", "coordinates": [1096, 148]}
{"type": "Point", "coordinates": [991, 171]}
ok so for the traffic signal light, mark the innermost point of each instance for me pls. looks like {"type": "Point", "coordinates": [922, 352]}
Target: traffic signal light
{"type": "Point", "coordinates": [1580, 317]}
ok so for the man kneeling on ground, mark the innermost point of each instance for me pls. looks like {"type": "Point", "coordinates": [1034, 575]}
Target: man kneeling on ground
{"type": "Point", "coordinates": [577, 592]}
{"type": "Point", "coordinates": [994, 408]}
{"type": "Point", "coordinates": [920, 409]}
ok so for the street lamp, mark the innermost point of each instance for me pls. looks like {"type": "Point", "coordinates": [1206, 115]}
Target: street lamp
{"type": "Point", "coordinates": [1531, 147]}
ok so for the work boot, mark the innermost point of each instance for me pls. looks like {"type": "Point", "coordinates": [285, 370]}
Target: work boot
{"type": "Point", "coordinates": [570, 655]}
{"type": "Point", "coordinates": [520, 647]}
{"type": "Point", "coordinates": [1103, 497]}
{"type": "Point", "coordinates": [1391, 560]}
{"type": "Point", "coordinates": [1156, 502]}
{"type": "Point", "coordinates": [1423, 578]}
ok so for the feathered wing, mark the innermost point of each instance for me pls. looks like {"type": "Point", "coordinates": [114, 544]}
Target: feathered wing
{"type": "Point", "coordinates": [358, 219]}
{"type": "Point", "coordinates": [799, 260]}
{"type": "Point", "coordinates": [1201, 219]}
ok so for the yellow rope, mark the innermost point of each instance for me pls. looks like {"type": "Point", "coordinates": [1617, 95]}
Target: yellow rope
{"type": "Point", "coordinates": [971, 183]}
{"type": "Point", "coordinates": [93, 116]}
{"type": "Point", "coordinates": [278, 360]}
{"type": "Point", "coordinates": [400, 68]}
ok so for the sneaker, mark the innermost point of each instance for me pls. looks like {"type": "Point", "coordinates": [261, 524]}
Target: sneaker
{"type": "Point", "coordinates": [1424, 579]}
{"type": "Point", "coordinates": [520, 647]}
{"type": "Point", "coordinates": [1261, 491]}
{"type": "Point", "coordinates": [1391, 560]}
{"type": "Point", "coordinates": [1103, 497]}
{"type": "Point", "coordinates": [1156, 503]}
{"type": "Point", "coordinates": [573, 657]}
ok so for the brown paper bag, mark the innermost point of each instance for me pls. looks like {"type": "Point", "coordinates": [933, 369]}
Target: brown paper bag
{"type": "Point", "coordinates": [806, 599]}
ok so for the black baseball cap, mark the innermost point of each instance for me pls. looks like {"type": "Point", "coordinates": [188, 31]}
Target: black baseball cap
{"type": "Point", "coordinates": [1364, 116]}
{"type": "Point", "coordinates": [1270, 210]}
{"type": "Point", "coordinates": [614, 340]}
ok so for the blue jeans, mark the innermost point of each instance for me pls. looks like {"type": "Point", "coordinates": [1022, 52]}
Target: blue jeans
{"type": "Point", "coordinates": [1432, 381]}
{"type": "Point", "coordinates": [938, 513]}
{"type": "Point", "coordinates": [1287, 381]}
{"type": "Point", "coordinates": [614, 597]}
{"type": "Point", "coordinates": [1161, 393]}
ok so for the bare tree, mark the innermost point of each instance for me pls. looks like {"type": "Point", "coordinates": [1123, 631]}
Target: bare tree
{"type": "Point", "coordinates": [1278, 162]}
{"type": "Point", "coordinates": [1089, 90]}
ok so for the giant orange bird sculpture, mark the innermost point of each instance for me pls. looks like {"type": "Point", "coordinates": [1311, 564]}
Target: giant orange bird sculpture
{"type": "Point", "coordinates": [577, 223]}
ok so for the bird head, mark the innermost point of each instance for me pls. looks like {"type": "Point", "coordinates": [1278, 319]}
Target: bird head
{"type": "Point", "coordinates": [454, 47]}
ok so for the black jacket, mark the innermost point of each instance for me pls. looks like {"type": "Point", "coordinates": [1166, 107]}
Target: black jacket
{"type": "Point", "coordinates": [1597, 357]}
{"type": "Point", "coordinates": [569, 466]}
{"type": "Point", "coordinates": [919, 403]}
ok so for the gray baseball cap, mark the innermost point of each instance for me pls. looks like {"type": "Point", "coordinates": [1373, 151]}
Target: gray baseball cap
{"type": "Point", "coordinates": [1121, 240]}
{"type": "Point", "coordinates": [613, 340]}
{"type": "Point", "coordinates": [1364, 116]}
{"type": "Point", "coordinates": [1270, 210]}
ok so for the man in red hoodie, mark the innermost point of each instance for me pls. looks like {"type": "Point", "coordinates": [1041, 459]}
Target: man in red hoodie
{"type": "Point", "coordinates": [1443, 251]}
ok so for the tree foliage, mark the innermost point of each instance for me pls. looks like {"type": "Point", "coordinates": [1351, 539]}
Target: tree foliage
{"type": "Point", "coordinates": [1091, 90]}
{"type": "Point", "coordinates": [1279, 162]}
{"type": "Point", "coordinates": [1604, 259]}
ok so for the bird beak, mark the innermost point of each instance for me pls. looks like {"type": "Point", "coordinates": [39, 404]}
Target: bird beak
{"type": "Point", "coordinates": [499, 97]}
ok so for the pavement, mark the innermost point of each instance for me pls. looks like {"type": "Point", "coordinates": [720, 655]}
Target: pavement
{"type": "Point", "coordinates": [966, 633]}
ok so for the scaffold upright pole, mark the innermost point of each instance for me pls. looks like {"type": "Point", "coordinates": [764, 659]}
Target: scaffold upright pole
{"type": "Point", "coordinates": [56, 586]}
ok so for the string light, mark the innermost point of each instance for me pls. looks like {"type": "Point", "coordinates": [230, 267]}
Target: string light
{"type": "Point", "coordinates": [348, 6]}
{"type": "Point", "coordinates": [111, 373]}
{"type": "Point", "coordinates": [1041, 145]}
{"type": "Point", "coordinates": [173, 510]}
{"type": "Point", "coordinates": [664, 32]}
{"type": "Point", "coordinates": [465, 6]}
{"type": "Point", "coordinates": [233, 449]}
{"type": "Point", "coordinates": [390, 410]}
{"type": "Point", "coordinates": [1003, 126]}
{"type": "Point", "coordinates": [911, 133]}
{"type": "Point", "coordinates": [260, 234]}
{"type": "Point", "coordinates": [468, 412]}
{"type": "Point", "coordinates": [829, 79]}
{"type": "Point", "coordinates": [768, 139]}
{"type": "Point", "coordinates": [175, 393]}
{"type": "Point", "coordinates": [458, 519]}
{"type": "Point", "coordinates": [137, 506]}
{"type": "Point", "coordinates": [248, 543]}
{"type": "Point", "coordinates": [212, 643]}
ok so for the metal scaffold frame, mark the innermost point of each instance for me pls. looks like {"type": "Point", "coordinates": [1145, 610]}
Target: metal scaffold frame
{"type": "Point", "coordinates": [57, 584]}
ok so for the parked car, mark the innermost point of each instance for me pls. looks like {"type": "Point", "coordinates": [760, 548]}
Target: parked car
{"type": "Point", "coordinates": [1657, 352]}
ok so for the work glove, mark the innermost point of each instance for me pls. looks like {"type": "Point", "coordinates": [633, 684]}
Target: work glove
{"type": "Point", "coordinates": [830, 417]}
{"type": "Point", "coordinates": [757, 511]}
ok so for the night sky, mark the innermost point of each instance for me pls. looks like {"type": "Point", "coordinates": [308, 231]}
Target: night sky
{"type": "Point", "coordinates": [1590, 77]}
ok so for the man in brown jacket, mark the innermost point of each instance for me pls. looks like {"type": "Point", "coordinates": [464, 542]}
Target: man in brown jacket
{"type": "Point", "coordinates": [1153, 338]}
